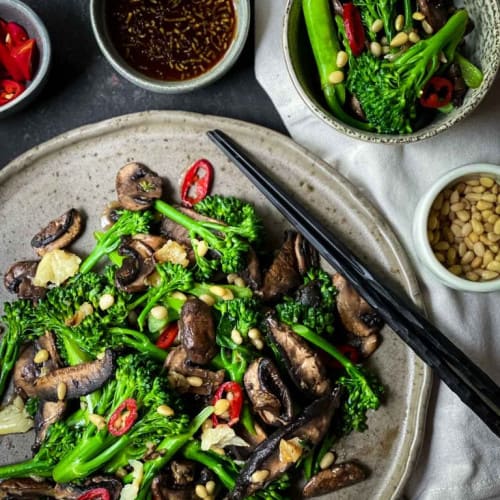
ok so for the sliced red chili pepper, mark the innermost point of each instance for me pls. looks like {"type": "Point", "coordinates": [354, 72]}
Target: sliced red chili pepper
{"type": "Point", "coordinates": [15, 35]}
{"type": "Point", "coordinates": [353, 28]}
{"type": "Point", "coordinates": [10, 65]}
{"type": "Point", "coordinates": [95, 494]}
{"type": "Point", "coordinates": [197, 182]}
{"type": "Point", "coordinates": [24, 55]}
{"type": "Point", "coordinates": [9, 90]}
{"type": "Point", "coordinates": [235, 401]}
{"type": "Point", "coordinates": [123, 417]}
{"type": "Point", "coordinates": [3, 30]}
{"type": "Point", "coordinates": [438, 92]}
{"type": "Point", "coordinates": [167, 337]}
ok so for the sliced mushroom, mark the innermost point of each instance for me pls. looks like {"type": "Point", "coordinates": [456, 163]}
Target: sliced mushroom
{"type": "Point", "coordinates": [197, 331]}
{"type": "Point", "coordinates": [356, 315]}
{"type": "Point", "coordinates": [25, 372]}
{"type": "Point", "coordinates": [35, 489]}
{"type": "Point", "coordinates": [252, 274]}
{"type": "Point", "coordinates": [111, 484]}
{"type": "Point", "coordinates": [110, 214]}
{"type": "Point", "coordinates": [18, 279]}
{"type": "Point", "coordinates": [137, 186]}
{"type": "Point", "coordinates": [268, 461]}
{"type": "Point", "coordinates": [73, 381]}
{"type": "Point", "coordinates": [293, 259]}
{"type": "Point", "coordinates": [187, 378]}
{"type": "Point", "coordinates": [59, 233]}
{"type": "Point", "coordinates": [267, 392]}
{"type": "Point", "coordinates": [436, 12]}
{"type": "Point", "coordinates": [138, 264]}
{"type": "Point", "coordinates": [302, 362]}
{"type": "Point", "coordinates": [333, 479]}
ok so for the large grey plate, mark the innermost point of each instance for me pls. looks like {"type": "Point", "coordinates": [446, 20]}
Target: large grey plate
{"type": "Point", "coordinates": [78, 169]}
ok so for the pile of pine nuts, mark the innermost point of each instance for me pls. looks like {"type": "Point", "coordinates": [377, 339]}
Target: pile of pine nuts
{"type": "Point", "coordinates": [463, 228]}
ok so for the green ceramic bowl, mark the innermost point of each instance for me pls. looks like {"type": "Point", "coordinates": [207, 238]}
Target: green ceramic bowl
{"type": "Point", "coordinates": [98, 19]}
{"type": "Point", "coordinates": [483, 48]}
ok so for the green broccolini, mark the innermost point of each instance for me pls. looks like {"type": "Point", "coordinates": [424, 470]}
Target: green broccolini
{"type": "Point", "coordinates": [371, 10]}
{"type": "Point", "coordinates": [388, 91]}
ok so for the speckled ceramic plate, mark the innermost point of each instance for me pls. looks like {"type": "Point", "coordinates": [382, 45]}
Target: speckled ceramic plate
{"type": "Point", "coordinates": [78, 169]}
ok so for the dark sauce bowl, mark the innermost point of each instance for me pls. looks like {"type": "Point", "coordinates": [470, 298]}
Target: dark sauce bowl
{"type": "Point", "coordinates": [101, 25]}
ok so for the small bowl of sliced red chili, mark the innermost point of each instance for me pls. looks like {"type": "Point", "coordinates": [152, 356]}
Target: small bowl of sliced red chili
{"type": "Point", "coordinates": [25, 54]}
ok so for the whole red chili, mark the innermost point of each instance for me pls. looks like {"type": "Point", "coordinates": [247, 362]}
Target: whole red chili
{"type": "Point", "coordinates": [438, 92]}
{"type": "Point", "coordinates": [353, 28]}
{"type": "Point", "coordinates": [167, 337]}
{"type": "Point", "coordinates": [123, 417]}
{"type": "Point", "coordinates": [235, 401]}
{"type": "Point", "coordinates": [95, 494]}
{"type": "Point", "coordinates": [197, 182]}
{"type": "Point", "coordinates": [23, 55]}
{"type": "Point", "coordinates": [9, 90]}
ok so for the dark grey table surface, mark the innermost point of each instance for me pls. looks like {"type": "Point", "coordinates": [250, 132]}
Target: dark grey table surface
{"type": "Point", "coordinates": [83, 88]}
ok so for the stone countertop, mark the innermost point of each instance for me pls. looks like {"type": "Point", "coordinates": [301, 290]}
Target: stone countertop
{"type": "Point", "coordinates": [83, 88]}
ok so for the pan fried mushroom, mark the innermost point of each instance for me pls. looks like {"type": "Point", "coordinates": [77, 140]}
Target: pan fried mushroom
{"type": "Point", "coordinates": [187, 378]}
{"type": "Point", "coordinates": [294, 258]}
{"type": "Point", "coordinates": [59, 233]}
{"type": "Point", "coordinates": [31, 489]}
{"type": "Point", "coordinates": [18, 279]}
{"type": "Point", "coordinates": [269, 396]}
{"type": "Point", "coordinates": [138, 264]}
{"type": "Point", "coordinates": [197, 331]}
{"type": "Point", "coordinates": [333, 479]}
{"type": "Point", "coordinates": [137, 186]}
{"type": "Point", "coordinates": [302, 362]}
{"type": "Point", "coordinates": [285, 446]}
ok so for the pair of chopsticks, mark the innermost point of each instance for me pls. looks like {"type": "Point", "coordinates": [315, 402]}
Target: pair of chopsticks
{"type": "Point", "coordinates": [472, 385]}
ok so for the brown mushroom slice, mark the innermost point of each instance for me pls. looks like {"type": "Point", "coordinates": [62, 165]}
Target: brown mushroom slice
{"type": "Point", "coordinates": [333, 479]}
{"type": "Point", "coordinates": [303, 363]}
{"type": "Point", "coordinates": [292, 260]}
{"type": "Point", "coordinates": [59, 233]}
{"type": "Point", "coordinates": [252, 274]}
{"type": "Point", "coordinates": [75, 381]}
{"type": "Point", "coordinates": [268, 461]}
{"type": "Point", "coordinates": [355, 313]}
{"type": "Point", "coordinates": [436, 12]}
{"type": "Point", "coordinates": [110, 214]}
{"type": "Point", "coordinates": [268, 393]}
{"type": "Point", "coordinates": [138, 264]}
{"type": "Point", "coordinates": [48, 413]}
{"type": "Point", "coordinates": [137, 186]}
{"type": "Point", "coordinates": [187, 378]}
{"type": "Point", "coordinates": [25, 372]}
{"type": "Point", "coordinates": [28, 488]}
{"type": "Point", "coordinates": [18, 280]}
{"type": "Point", "coordinates": [197, 331]}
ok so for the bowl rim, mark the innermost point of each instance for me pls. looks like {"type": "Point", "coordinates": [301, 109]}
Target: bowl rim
{"type": "Point", "coordinates": [97, 18]}
{"type": "Point", "coordinates": [424, 133]}
{"type": "Point", "coordinates": [44, 61]}
{"type": "Point", "coordinates": [421, 241]}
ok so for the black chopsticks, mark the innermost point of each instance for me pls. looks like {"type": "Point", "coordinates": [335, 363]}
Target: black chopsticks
{"type": "Point", "coordinates": [473, 386]}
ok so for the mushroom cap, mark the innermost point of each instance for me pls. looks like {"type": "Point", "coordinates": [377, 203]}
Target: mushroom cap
{"type": "Point", "coordinates": [137, 186]}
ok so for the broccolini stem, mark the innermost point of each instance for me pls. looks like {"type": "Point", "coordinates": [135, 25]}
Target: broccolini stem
{"type": "Point", "coordinates": [138, 341]}
{"type": "Point", "coordinates": [9, 352]}
{"type": "Point", "coordinates": [27, 468]}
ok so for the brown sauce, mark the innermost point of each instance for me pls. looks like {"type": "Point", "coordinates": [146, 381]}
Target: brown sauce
{"type": "Point", "coordinates": [171, 39]}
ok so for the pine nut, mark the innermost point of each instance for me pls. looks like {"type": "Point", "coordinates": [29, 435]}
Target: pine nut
{"type": "Point", "coordinates": [227, 295]}
{"type": "Point", "coordinates": [97, 420]}
{"type": "Point", "coordinates": [159, 312]}
{"type": "Point", "coordinates": [427, 27]}
{"type": "Point", "coordinates": [217, 290]}
{"type": "Point", "coordinates": [240, 282]}
{"type": "Point", "coordinates": [106, 301]}
{"type": "Point", "coordinates": [236, 337]}
{"type": "Point", "coordinates": [463, 215]}
{"type": "Point", "coordinates": [62, 389]}
{"type": "Point", "coordinates": [468, 257]}
{"type": "Point", "coordinates": [342, 58]}
{"type": "Point", "coordinates": [376, 49]}
{"type": "Point", "coordinates": [231, 277]}
{"type": "Point", "coordinates": [259, 476]}
{"type": "Point", "coordinates": [259, 345]}
{"type": "Point", "coordinates": [486, 182]}
{"type": "Point", "coordinates": [479, 249]}
{"type": "Point", "coordinates": [208, 299]}
{"type": "Point", "coordinates": [165, 410]}
{"type": "Point", "coordinates": [494, 265]}
{"type": "Point", "coordinates": [327, 460]}
{"type": "Point", "coordinates": [210, 486]}
{"type": "Point", "coordinates": [202, 248]}
{"type": "Point", "coordinates": [400, 39]}
{"type": "Point", "coordinates": [221, 406]}
{"type": "Point", "coordinates": [41, 356]}
{"type": "Point", "coordinates": [477, 227]}
{"type": "Point", "coordinates": [194, 381]}
{"type": "Point", "coordinates": [377, 25]}
{"type": "Point", "coordinates": [418, 16]}
{"type": "Point", "coordinates": [254, 334]}
{"type": "Point", "coordinates": [179, 296]}
{"type": "Point", "coordinates": [336, 77]}
{"type": "Point", "coordinates": [400, 22]}
{"type": "Point", "coordinates": [414, 37]}
{"type": "Point", "coordinates": [201, 491]}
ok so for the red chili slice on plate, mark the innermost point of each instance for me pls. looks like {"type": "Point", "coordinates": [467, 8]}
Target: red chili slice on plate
{"type": "Point", "coordinates": [437, 93]}
{"type": "Point", "coordinates": [168, 336]}
{"type": "Point", "coordinates": [9, 90]}
{"type": "Point", "coordinates": [235, 403]}
{"type": "Point", "coordinates": [197, 182]}
{"type": "Point", "coordinates": [353, 28]}
{"type": "Point", "coordinates": [95, 494]}
{"type": "Point", "coordinates": [123, 418]}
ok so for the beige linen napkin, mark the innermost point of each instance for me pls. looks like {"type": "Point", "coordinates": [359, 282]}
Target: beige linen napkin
{"type": "Point", "coordinates": [460, 458]}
